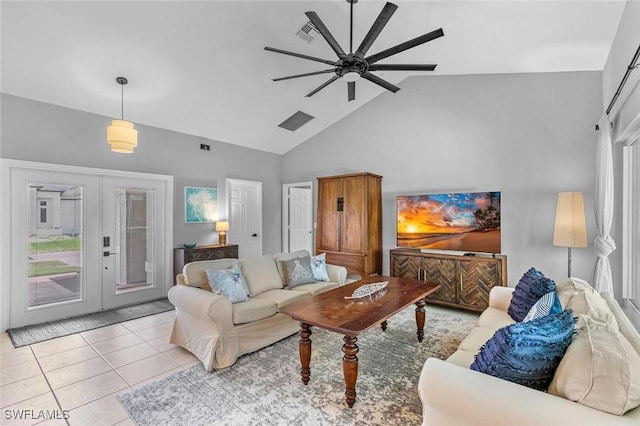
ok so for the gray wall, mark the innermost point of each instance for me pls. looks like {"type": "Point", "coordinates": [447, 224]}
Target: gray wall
{"type": "Point", "coordinates": [625, 109]}
{"type": "Point", "coordinates": [527, 135]}
{"type": "Point", "coordinates": [36, 131]}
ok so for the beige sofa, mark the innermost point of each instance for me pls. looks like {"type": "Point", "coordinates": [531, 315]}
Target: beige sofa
{"type": "Point", "coordinates": [453, 394]}
{"type": "Point", "coordinates": [218, 331]}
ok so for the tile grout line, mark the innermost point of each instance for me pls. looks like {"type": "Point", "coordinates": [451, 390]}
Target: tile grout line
{"type": "Point", "coordinates": [55, 397]}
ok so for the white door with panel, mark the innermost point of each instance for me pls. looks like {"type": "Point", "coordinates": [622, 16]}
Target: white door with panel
{"type": "Point", "coordinates": [82, 240]}
{"type": "Point", "coordinates": [300, 219]}
{"type": "Point", "coordinates": [245, 216]}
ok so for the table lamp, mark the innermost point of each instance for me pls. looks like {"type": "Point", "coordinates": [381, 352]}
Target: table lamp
{"type": "Point", "coordinates": [221, 227]}
{"type": "Point", "coordinates": [570, 229]}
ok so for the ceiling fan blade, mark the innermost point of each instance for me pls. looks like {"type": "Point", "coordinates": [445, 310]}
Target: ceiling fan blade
{"type": "Point", "coordinates": [300, 55]}
{"type": "Point", "coordinates": [351, 90]}
{"type": "Point", "coordinates": [304, 75]}
{"type": "Point", "coordinates": [324, 31]}
{"type": "Point", "coordinates": [405, 46]}
{"type": "Point", "coordinates": [401, 67]}
{"type": "Point", "coordinates": [380, 82]}
{"type": "Point", "coordinates": [322, 86]}
{"type": "Point", "coordinates": [376, 29]}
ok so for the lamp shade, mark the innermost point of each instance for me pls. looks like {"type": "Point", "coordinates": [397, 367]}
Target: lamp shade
{"type": "Point", "coordinates": [122, 136]}
{"type": "Point", "coordinates": [571, 228]}
{"type": "Point", "coordinates": [222, 226]}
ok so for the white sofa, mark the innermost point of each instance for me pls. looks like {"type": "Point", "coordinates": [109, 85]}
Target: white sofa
{"type": "Point", "coordinates": [453, 394]}
{"type": "Point", "coordinates": [217, 331]}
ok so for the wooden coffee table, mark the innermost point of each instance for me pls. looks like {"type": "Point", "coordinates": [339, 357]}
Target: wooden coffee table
{"type": "Point", "coordinates": [351, 317]}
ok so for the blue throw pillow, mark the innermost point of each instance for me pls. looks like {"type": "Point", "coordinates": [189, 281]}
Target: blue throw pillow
{"type": "Point", "coordinates": [531, 287]}
{"type": "Point", "coordinates": [298, 271]}
{"type": "Point", "coordinates": [319, 267]}
{"type": "Point", "coordinates": [527, 353]}
{"type": "Point", "coordinates": [547, 304]}
{"type": "Point", "coordinates": [228, 283]}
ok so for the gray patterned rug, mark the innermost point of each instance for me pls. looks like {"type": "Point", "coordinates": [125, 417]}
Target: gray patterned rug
{"type": "Point", "coordinates": [30, 334]}
{"type": "Point", "coordinates": [264, 388]}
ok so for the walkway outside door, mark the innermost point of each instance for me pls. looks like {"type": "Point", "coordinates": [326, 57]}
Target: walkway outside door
{"type": "Point", "coordinates": [66, 268]}
{"type": "Point", "coordinates": [245, 216]}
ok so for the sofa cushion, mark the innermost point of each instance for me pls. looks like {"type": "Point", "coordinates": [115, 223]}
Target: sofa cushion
{"type": "Point", "coordinates": [476, 338]}
{"type": "Point", "coordinates": [196, 272]}
{"type": "Point", "coordinates": [316, 288]}
{"type": "Point", "coordinates": [531, 287]}
{"type": "Point", "coordinates": [298, 271]}
{"type": "Point", "coordinates": [527, 353]}
{"type": "Point", "coordinates": [319, 267]}
{"type": "Point", "coordinates": [280, 258]}
{"type": "Point", "coordinates": [253, 310]}
{"type": "Point", "coordinates": [569, 287]}
{"type": "Point", "coordinates": [494, 318]}
{"type": "Point", "coordinates": [591, 304]}
{"type": "Point", "coordinates": [600, 369]}
{"type": "Point", "coordinates": [282, 297]}
{"type": "Point", "coordinates": [548, 304]}
{"type": "Point", "coordinates": [228, 283]}
{"type": "Point", "coordinates": [462, 358]}
{"type": "Point", "coordinates": [261, 274]}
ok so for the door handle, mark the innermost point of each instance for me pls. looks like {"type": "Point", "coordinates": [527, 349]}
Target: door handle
{"type": "Point", "coordinates": [254, 235]}
{"type": "Point", "coordinates": [108, 253]}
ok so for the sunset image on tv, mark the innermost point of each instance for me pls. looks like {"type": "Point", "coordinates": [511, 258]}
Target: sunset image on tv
{"type": "Point", "coordinates": [459, 221]}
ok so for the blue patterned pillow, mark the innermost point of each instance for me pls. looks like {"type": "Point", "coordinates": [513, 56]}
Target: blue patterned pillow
{"type": "Point", "coordinates": [527, 353]}
{"type": "Point", "coordinates": [228, 283]}
{"type": "Point", "coordinates": [531, 287]}
{"type": "Point", "coordinates": [298, 271]}
{"type": "Point", "coordinates": [547, 304]}
{"type": "Point", "coordinates": [319, 267]}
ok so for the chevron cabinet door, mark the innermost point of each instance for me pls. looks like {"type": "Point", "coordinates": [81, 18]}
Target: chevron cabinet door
{"type": "Point", "coordinates": [465, 280]}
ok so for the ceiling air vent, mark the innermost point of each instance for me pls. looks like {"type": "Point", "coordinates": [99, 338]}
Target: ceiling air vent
{"type": "Point", "coordinates": [296, 121]}
{"type": "Point", "coordinates": [308, 32]}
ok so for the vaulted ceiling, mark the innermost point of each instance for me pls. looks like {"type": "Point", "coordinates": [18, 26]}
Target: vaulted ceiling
{"type": "Point", "coordinates": [199, 67]}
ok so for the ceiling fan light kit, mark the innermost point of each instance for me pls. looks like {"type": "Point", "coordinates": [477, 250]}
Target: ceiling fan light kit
{"type": "Point", "coordinates": [352, 66]}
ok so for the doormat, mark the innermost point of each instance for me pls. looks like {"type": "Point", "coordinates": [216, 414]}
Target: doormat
{"type": "Point", "coordinates": [30, 334]}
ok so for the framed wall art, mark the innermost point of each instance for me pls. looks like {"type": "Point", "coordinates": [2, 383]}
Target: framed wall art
{"type": "Point", "coordinates": [200, 204]}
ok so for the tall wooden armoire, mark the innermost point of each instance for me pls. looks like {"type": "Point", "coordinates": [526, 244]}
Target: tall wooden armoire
{"type": "Point", "coordinates": [350, 222]}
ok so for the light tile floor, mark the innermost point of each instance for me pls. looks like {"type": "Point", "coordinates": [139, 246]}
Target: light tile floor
{"type": "Point", "coordinates": [85, 372]}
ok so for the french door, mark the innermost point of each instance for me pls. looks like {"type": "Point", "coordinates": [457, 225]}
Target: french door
{"type": "Point", "coordinates": [82, 240]}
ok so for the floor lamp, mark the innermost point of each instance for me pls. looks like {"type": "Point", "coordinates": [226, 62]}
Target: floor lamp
{"type": "Point", "coordinates": [571, 229]}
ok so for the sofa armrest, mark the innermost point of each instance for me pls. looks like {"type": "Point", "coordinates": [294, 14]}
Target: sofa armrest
{"type": "Point", "coordinates": [202, 305]}
{"type": "Point", "coordinates": [454, 395]}
{"type": "Point", "coordinates": [180, 280]}
{"type": "Point", "coordinates": [500, 298]}
{"type": "Point", "coordinates": [337, 274]}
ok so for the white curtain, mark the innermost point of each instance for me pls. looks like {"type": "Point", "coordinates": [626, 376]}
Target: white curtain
{"type": "Point", "coordinates": [603, 206]}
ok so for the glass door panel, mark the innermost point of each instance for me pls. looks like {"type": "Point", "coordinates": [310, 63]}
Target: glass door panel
{"type": "Point", "coordinates": [133, 240]}
{"type": "Point", "coordinates": [55, 243]}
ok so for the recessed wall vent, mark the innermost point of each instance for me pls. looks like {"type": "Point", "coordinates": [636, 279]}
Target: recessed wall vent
{"type": "Point", "coordinates": [308, 32]}
{"type": "Point", "coordinates": [296, 121]}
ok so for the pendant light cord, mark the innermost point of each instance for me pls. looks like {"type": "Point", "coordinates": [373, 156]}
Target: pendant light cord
{"type": "Point", "coordinates": [122, 101]}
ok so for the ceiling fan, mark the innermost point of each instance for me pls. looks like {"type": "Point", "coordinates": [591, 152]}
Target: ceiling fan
{"type": "Point", "coordinates": [351, 66]}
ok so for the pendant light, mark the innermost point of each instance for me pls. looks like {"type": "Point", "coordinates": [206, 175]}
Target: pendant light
{"type": "Point", "coordinates": [121, 135]}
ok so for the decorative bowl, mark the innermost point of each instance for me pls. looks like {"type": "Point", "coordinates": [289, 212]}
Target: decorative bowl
{"type": "Point", "coordinates": [189, 245]}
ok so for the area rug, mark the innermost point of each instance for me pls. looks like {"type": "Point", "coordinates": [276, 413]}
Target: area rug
{"type": "Point", "coordinates": [264, 388]}
{"type": "Point", "coordinates": [30, 334]}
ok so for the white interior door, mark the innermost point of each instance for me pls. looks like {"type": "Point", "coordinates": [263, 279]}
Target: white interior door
{"type": "Point", "coordinates": [53, 255]}
{"type": "Point", "coordinates": [245, 216]}
{"type": "Point", "coordinates": [133, 240]}
{"type": "Point", "coordinates": [300, 219]}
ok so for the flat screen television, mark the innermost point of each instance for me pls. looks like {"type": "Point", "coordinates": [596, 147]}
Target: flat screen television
{"type": "Point", "coordinates": [462, 221]}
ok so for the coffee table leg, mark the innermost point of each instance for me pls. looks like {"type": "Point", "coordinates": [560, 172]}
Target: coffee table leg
{"type": "Point", "coordinates": [350, 368]}
{"type": "Point", "coordinates": [305, 352]}
{"type": "Point", "coordinates": [383, 324]}
{"type": "Point", "coordinates": [420, 319]}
